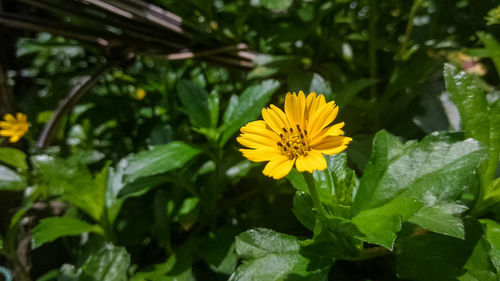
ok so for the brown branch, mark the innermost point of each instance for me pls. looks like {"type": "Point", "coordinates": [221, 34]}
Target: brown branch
{"type": "Point", "coordinates": [147, 14]}
{"type": "Point", "coordinates": [74, 95]}
{"type": "Point", "coordinates": [232, 62]}
{"type": "Point", "coordinates": [145, 32]}
{"type": "Point", "coordinates": [246, 55]}
{"type": "Point", "coordinates": [189, 54]}
{"type": "Point", "coordinates": [45, 26]}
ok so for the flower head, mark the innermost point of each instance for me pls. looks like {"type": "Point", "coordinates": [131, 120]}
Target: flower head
{"type": "Point", "coordinates": [300, 135]}
{"type": "Point", "coordinates": [14, 127]}
{"type": "Point", "coordinates": [140, 94]}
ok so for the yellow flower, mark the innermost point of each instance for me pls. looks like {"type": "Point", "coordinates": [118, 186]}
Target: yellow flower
{"type": "Point", "coordinates": [300, 135]}
{"type": "Point", "coordinates": [140, 94]}
{"type": "Point", "coordinates": [14, 128]}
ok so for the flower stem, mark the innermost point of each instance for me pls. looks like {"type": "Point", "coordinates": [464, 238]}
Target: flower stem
{"type": "Point", "coordinates": [409, 29]}
{"type": "Point", "coordinates": [311, 185]}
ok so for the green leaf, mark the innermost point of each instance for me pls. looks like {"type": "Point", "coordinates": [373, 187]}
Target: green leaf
{"type": "Point", "coordinates": [269, 255]}
{"type": "Point", "coordinates": [74, 182]}
{"type": "Point", "coordinates": [297, 180]}
{"type": "Point", "coordinates": [188, 212]}
{"type": "Point", "coordinates": [10, 180]}
{"type": "Point", "coordinates": [327, 244]}
{"type": "Point", "coordinates": [50, 229]}
{"type": "Point", "coordinates": [441, 219]}
{"type": "Point", "coordinates": [380, 225]}
{"type": "Point", "coordinates": [13, 157]}
{"type": "Point", "coordinates": [437, 257]}
{"type": "Point", "coordinates": [336, 185]}
{"type": "Point", "coordinates": [160, 159]}
{"type": "Point", "coordinates": [469, 97]}
{"type": "Point", "coordinates": [239, 170]}
{"type": "Point", "coordinates": [492, 47]}
{"type": "Point", "coordinates": [110, 263]}
{"type": "Point", "coordinates": [195, 103]}
{"type": "Point", "coordinates": [436, 169]}
{"type": "Point", "coordinates": [479, 275]}
{"type": "Point", "coordinates": [276, 4]}
{"type": "Point", "coordinates": [213, 108]}
{"type": "Point", "coordinates": [303, 210]}
{"type": "Point", "coordinates": [492, 235]}
{"type": "Point", "coordinates": [246, 108]}
{"type": "Point", "coordinates": [433, 173]}
{"type": "Point", "coordinates": [114, 184]}
{"type": "Point", "coordinates": [480, 120]}
{"type": "Point", "coordinates": [142, 185]}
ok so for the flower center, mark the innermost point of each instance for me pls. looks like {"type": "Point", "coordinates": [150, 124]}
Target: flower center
{"type": "Point", "coordinates": [294, 142]}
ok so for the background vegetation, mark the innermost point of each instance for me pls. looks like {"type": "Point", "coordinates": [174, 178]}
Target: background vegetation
{"type": "Point", "coordinates": [131, 171]}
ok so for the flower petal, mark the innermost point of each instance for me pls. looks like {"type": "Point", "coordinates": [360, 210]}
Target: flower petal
{"type": "Point", "coordinates": [311, 98]}
{"type": "Point", "coordinates": [9, 118]}
{"type": "Point", "coordinates": [256, 141]}
{"type": "Point", "coordinates": [281, 115]}
{"type": "Point", "coordinates": [260, 128]}
{"type": "Point", "coordinates": [334, 130]}
{"type": "Point", "coordinates": [294, 108]}
{"type": "Point", "coordinates": [323, 117]}
{"type": "Point", "coordinates": [15, 138]}
{"type": "Point", "coordinates": [279, 167]}
{"type": "Point", "coordinates": [260, 155]}
{"type": "Point", "coordinates": [273, 120]}
{"type": "Point", "coordinates": [5, 125]}
{"type": "Point", "coordinates": [21, 117]}
{"type": "Point", "coordinates": [315, 105]}
{"type": "Point", "coordinates": [332, 144]}
{"type": "Point", "coordinates": [7, 133]}
{"type": "Point", "coordinates": [314, 160]}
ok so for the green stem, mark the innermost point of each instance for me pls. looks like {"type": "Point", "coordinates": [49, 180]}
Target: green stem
{"type": "Point", "coordinates": [216, 185]}
{"type": "Point", "coordinates": [311, 185]}
{"type": "Point", "coordinates": [409, 29]}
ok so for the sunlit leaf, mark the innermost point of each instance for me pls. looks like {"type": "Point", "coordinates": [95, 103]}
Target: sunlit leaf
{"type": "Point", "coordinates": [10, 180]}
{"type": "Point", "coordinates": [470, 99]}
{"type": "Point", "coordinates": [380, 225]}
{"type": "Point", "coordinates": [50, 229]}
{"type": "Point", "coordinates": [74, 182]}
{"type": "Point", "coordinates": [276, 4]}
{"type": "Point", "coordinates": [438, 168]}
{"type": "Point", "coordinates": [441, 219]}
{"type": "Point", "coordinates": [110, 263]}
{"type": "Point", "coordinates": [159, 159]}
{"type": "Point", "coordinates": [246, 108]}
{"type": "Point", "coordinates": [269, 255]}
{"type": "Point", "coordinates": [492, 235]}
{"type": "Point", "coordinates": [13, 157]}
